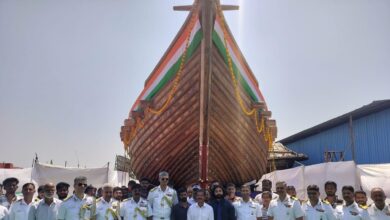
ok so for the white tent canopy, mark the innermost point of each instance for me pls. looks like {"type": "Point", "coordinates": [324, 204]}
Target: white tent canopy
{"type": "Point", "coordinates": [363, 177]}
{"type": "Point", "coordinates": [44, 173]}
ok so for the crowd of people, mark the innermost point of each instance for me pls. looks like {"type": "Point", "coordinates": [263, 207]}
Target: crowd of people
{"type": "Point", "coordinates": [218, 202]}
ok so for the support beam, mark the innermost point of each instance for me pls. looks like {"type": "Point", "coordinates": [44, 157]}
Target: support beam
{"type": "Point", "coordinates": [189, 7]}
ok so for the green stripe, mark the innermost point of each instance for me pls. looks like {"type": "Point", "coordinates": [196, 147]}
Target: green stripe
{"type": "Point", "coordinates": [221, 48]}
{"type": "Point", "coordinates": [175, 68]}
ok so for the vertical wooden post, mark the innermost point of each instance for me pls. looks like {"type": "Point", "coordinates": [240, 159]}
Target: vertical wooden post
{"type": "Point", "coordinates": [207, 20]}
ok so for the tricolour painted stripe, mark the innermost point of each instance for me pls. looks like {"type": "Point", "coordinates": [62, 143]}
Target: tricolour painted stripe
{"type": "Point", "coordinates": [171, 63]}
{"type": "Point", "coordinates": [240, 68]}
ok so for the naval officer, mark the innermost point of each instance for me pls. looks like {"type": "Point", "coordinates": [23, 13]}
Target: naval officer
{"type": "Point", "coordinates": [162, 198]}
{"type": "Point", "coordinates": [79, 206]}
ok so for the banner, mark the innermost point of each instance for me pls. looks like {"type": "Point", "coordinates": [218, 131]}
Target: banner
{"type": "Point", "coordinates": [375, 175]}
{"type": "Point", "coordinates": [42, 174]}
{"type": "Point", "coordinates": [343, 173]}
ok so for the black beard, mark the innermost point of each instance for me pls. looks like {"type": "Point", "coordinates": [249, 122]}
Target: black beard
{"type": "Point", "coordinates": [183, 200]}
{"type": "Point", "coordinates": [219, 196]}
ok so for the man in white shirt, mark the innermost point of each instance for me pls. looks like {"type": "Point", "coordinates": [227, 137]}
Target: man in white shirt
{"type": "Point", "coordinates": [378, 210]}
{"type": "Point", "coordinates": [106, 207]}
{"type": "Point", "coordinates": [19, 209]}
{"type": "Point", "coordinates": [3, 213]}
{"type": "Point", "coordinates": [162, 198]}
{"type": "Point", "coordinates": [246, 208]}
{"type": "Point", "coordinates": [285, 207]}
{"type": "Point", "coordinates": [350, 210]}
{"type": "Point", "coordinates": [266, 186]}
{"type": "Point", "coordinates": [136, 207]}
{"type": "Point", "coordinates": [191, 197]}
{"type": "Point", "coordinates": [47, 208]}
{"type": "Point", "coordinates": [79, 205]}
{"type": "Point", "coordinates": [200, 210]}
{"type": "Point", "coordinates": [10, 186]}
{"type": "Point", "coordinates": [314, 208]}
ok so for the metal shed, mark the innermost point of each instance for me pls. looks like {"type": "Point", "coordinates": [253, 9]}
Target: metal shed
{"type": "Point", "coordinates": [362, 135]}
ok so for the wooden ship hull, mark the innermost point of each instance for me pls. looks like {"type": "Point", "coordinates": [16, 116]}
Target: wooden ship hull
{"type": "Point", "coordinates": [201, 115]}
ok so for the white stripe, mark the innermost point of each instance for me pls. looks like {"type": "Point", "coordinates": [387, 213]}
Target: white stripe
{"type": "Point", "coordinates": [244, 74]}
{"type": "Point", "coordinates": [173, 60]}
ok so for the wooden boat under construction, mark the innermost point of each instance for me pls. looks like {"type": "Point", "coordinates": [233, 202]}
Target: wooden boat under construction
{"type": "Point", "coordinates": [201, 115]}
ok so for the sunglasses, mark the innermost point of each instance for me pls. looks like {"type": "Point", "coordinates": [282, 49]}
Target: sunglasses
{"type": "Point", "coordinates": [82, 185]}
{"type": "Point", "coordinates": [164, 179]}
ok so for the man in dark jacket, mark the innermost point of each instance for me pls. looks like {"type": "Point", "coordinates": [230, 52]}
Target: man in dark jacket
{"type": "Point", "coordinates": [223, 209]}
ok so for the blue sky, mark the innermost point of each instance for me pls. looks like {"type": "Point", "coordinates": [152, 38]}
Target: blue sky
{"type": "Point", "coordinates": [70, 70]}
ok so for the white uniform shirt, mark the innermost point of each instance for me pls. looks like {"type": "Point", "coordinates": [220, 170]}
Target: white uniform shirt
{"type": "Point", "coordinates": [191, 200]}
{"type": "Point", "coordinates": [162, 202]}
{"type": "Point", "coordinates": [19, 210]}
{"type": "Point", "coordinates": [250, 210]}
{"type": "Point", "coordinates": [288, 209]}
{"type": "Point", "coordinates": [259, 199]}
{"type": "Point", "coordinates": [102, 207]}
{"type": "Point", "coordinates": [323, 211]}
{"type": "Point", "coordinates": [130, 209]}
{"type": "Point", "coordinates": [351, 212]}
{"type": "Point", "coordinates": [264, 212]}
{"type": "Point", "coordinates": [4, 202]}
{"type": "Point", "coordinates": [42, 211]}
{"type": "Point", "coordinates": [195, 212]}
{"type": "Point", "coordinates": [377, 214]}
{"type": "Point", "coordinates": [74, 208]}
{"type": "Point", "coordinates": [3, 213]}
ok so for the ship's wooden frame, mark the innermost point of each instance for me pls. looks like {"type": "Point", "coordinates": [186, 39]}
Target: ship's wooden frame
{"type": "Point", "coordinates": [202, 133]}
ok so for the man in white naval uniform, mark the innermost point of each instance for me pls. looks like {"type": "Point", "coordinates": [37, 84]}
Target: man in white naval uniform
{"type": "Point", "coordinates": [20, 208]}
{"type": "Point", "coordinates": [285, 207]}
{"type": "Point", "coordinates": [46, 208]}
{"type": "Point", "coordinates": [350, 210]}
{"type": "Point", "coordinates": [79, 206]}
{"type": "Point", "coordinates": [136, 207]}
{"type": "Point", "coordinates": [379, 210]}
{"type": "Point", "coordinates": [314, 208]}
{"type": "Point", "coordinates": [266, 186]}
{"type": "Point", "coordinates": [107, 208]}
{"type": "Point", "coordinates": [246, 208]}
{"type": "Point", "coordinates": [162, 198]}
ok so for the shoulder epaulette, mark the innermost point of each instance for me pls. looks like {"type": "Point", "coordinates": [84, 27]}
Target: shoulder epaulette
{"type": "Point", "coordinates": [67, 198]}
{"type": "Point", "coordinates": [98, 200]}
{"type": "Point", "coordinates": [363, 206]}
{"type": "Point", "coordinates": [154, 189]}
{"type": "Point", "coordinates": [326, 202]}
{"type": "Point", "coordinates": [294, 198]}
{"type": "Point", "coordinates": [125, 200]}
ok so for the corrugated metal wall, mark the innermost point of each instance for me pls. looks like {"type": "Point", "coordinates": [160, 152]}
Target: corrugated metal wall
{"type": "Point", "coordinates": [372, 141]}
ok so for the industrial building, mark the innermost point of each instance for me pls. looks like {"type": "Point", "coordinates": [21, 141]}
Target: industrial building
{"type": "Point", "coordinates": [362, 135]}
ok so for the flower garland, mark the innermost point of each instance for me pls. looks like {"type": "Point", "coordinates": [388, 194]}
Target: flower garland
{"type": "Point", "coordinates": [113, 213]}
{"type": "Point", "coordinates": [87, 208]}
{"type": "Point", "coordinates": [141, 212]}
{"type": "Point", "coordinates": [181, 67]}
{"type": "Point", "coordinates": [167, 200]}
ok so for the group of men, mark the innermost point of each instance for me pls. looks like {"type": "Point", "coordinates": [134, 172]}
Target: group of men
{"type": "Point", "coordinates": [192, 203]}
